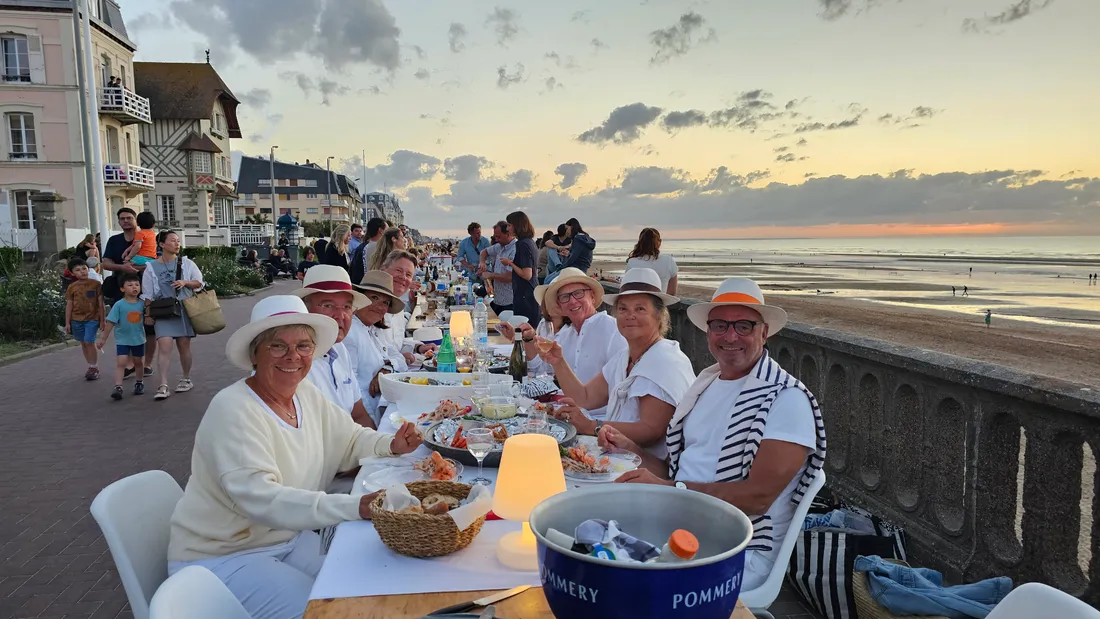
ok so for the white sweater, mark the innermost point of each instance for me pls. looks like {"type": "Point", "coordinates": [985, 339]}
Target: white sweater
{"type": "Point", "coordinates": [256, 481]}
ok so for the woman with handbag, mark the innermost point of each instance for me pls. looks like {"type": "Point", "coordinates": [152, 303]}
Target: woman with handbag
{"type": "Point", "coordinates": [167, 281]}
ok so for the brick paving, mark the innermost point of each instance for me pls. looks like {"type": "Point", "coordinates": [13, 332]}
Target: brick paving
{"type": "Point", "coordinates": [62, 440]}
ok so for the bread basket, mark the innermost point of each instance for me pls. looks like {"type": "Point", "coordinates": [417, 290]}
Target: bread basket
{"type": "Point", "coordinates": [424, 535]}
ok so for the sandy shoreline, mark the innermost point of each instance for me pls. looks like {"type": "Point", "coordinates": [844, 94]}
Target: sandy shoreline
{"type": "Point", "coordinates": [1064, 352]}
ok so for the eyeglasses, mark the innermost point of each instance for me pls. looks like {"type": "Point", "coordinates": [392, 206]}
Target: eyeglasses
{"type": "Point", "coordinates": [279, 349]}
{"type": "Point", "coordinates": [576, 294]}
{"type": "Point", "coordinates": [330, 307]}
{"type": "Point", "coordinates": [740, 327]}
{"type": "Point", "coordinates": [378, 298]}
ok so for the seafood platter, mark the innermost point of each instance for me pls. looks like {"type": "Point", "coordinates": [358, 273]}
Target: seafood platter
{"type": "Point", "coordinates": [407, 469]}
{"type": "Point", "coordinates": [582, 462]}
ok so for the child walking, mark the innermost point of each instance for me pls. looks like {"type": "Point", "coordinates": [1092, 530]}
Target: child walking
{"type": "Point", "coordinates": [144, 248]}
{"type": "Point", "coordinates": [84, 313]}
{"type": "Point", "coordinates": [127, 320]}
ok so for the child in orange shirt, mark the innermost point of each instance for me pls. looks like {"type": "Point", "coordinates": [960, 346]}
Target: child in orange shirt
{"type": "Point", "coordinates": [144, 248]}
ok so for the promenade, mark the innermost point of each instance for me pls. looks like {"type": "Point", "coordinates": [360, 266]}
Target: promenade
{"type": "Point", "coordinates": [62, 440]}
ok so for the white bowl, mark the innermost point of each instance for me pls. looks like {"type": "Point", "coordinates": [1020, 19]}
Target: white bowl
{"type": "Point", "coordinates": [411, 396]}
{"type": "Point", "coordinates": [516, 321]}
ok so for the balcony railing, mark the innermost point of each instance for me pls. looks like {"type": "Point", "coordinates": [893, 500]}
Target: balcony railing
{"type": "Point", "coordinates": [17, 77]}
{"type": "Point", "coordinates": [249, 234]}
{"type": "Point", "coordinates": [129, 175]}
{"type": "Point", "coordinates": [27, 156]}
{"type": "Point", "coordinates": [125, 105]}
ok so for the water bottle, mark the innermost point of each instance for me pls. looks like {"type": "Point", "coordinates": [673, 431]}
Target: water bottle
{"type": "Point", "coordinates": [481, 322]}
{"type": "Point", "coordinates": [445, 360]}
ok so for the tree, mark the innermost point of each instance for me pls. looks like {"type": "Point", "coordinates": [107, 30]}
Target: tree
{"type": "Point", "coordinates": [317, 229]}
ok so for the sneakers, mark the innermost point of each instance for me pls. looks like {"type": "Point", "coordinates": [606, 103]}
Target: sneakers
{"type": "Point", "coordinates": [147, 372]}
{"type": "Point", "coordinates": [128, 373]}
{"type": "Point", "coordinates": [139, 388]}
{"type": "Point", "coordinates": [185, 384]}
{"type": "Point", "coordinates": [162, 393]}
{"type": "Point", "coordinates": [92, 374]}
{"type": "Point", "coordinates": [116, 393]}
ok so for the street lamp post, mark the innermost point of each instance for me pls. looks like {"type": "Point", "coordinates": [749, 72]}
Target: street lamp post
{"type": "Point", "coordinates": [328, 191]}
{"type": "Point", "coordinates": [271, 162]}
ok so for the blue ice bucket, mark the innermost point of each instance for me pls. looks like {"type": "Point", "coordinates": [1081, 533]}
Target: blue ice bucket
{"type": "Point", "coordinates": [584, 587]}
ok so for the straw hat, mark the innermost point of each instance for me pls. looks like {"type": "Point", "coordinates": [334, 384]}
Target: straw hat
{"type": "Point", "coordinates": [642, 280]}
{"type": "Point", "coordinates": [569, 275]}
{"type": "Point", "coordinates": [380, 282]}
{"type": "Point", "coordinates": [329, 278]}
{"type": "Point", "coordinates": [739, 291]}
{"type": "Point", "coordinates": [279, 311]}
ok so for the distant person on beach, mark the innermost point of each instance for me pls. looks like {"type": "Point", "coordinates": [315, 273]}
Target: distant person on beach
{"type": "Point", "coordinates": [988, 318]}
{"type": "Point", "coordinates": [952, 291]}
{"type": "Point", "coordinates": [966, 291]}
{"type": "Point", "coordinates": [647, 254]}
{"type": "Point", "coordinates": [971, 271]}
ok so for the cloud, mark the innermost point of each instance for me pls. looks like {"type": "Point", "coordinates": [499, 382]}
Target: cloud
{"type": "Point", "coordinates": [802, 142]}
{"type": "Point", "coordinates": [465, 167]}
{"type": "Point", "coordinates": [552, 84]}
{"type": "Point", "coordinates": [678, 39]}
{"type": "Point", "coordinates": [370, 90]}
{"type": "Point", "coordinates": [623, 125]}
{"type": "Point", "coordinates": [570, 173]}
{"type": "Point", "coordinates": [835, 9]}
{"type": "Point", "coordinates": [505, 79]}
{"type": "Point", "coordinates": [456, 37]}
{"type": "Point", "coordinates": [910, 121]}
{"type": "Point", "coordinates": [652, 180]}
{"type": "Point", "coordinates": [329, 88]}
{"type": "Point", "coordinates": [581, 16]}
{"type": "Point", "coordinates": [681, 120]}
{"type": "Point", "coordinates": [598, 45]}
{"type": "Point", "coordinates": [820, 126]}
{"type": "Point", "coordinates": [305, 84]}
{"type": "Point", "coordinates": [272, 123]}
{"type": "Point", "coordinates": [781, 149]}
{"type": "Point", "coordinates": [403, 168]}
{"type": "Point", "coordinates": [569, 62]}
{"type": "Point", "coordinates": [420, 53]}
{"type": "Point", "coordinates": [751, 109]}
{"type": "Point", "coordinates": [488, 192]}
{"type": "Point", "coordinates": [422, 74]}
{"type": "Point", "coordinates": [338, 33]}
{"type": "Point", "coordinates": [1012, 13]}
{"type": "Point", "coordinates": [257, 97]}
{"type": "Point", "coordinates": [786, 158]}
{"type": "Point", "coordinates": [505, 22]}
{"type": "Point", "coordinates": [149, 21]}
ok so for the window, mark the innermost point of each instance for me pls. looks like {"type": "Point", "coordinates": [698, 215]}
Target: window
{"type": "Point", "coordinates": [311, 211]}
{"type": "Point", "coordinates": [284, 196]}
{"type": "Point", "coordinates": [217, 124]}
{"type": "Point", "coordinates": [17, 64]}
{"type": "Point", "coordinates": [307, 183]}
{"type": "Point", "coordinates": [293, 196]}
{"type": "Point", "coordinates": [167, 208]}
{"type": "Point", "coordinates": [23, 142]}
{"type": "Point", "coordinates": [24, 211]}
{"type": "Point", "coordinates": [122, 74]}
{"type": "Point", "coordinates": [200, 162]}
{"type": "Point", "coordinates": [222, 212]}
{"type": "Point", "coordinates": [265, 182]}
{"type": "Point", "coordinates": [129, 149]}
{"type": "Point", "coordinates": [311, 196]}
{"type": "Point", "coordinates": [104, 70]}
{"type": "Point", "coordinates": [112, 146]}
{"type": "Point", "coordinates": [293, 182]}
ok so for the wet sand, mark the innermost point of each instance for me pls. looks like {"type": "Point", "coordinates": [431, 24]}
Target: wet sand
{"type": "Point", "coordinates": [1066, 352]}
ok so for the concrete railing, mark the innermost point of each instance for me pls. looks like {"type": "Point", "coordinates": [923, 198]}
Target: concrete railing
{"type": "Point", "coordinates": [991, 471]}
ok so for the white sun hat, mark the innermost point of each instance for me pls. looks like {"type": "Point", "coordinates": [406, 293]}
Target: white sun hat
{"type": "Point", "coordinates": [279, 311]}
{"type": "Point", "coordinates": [641, 280]}
{"type": "Point", "coordinates": [547, 294]}
{"type": "Point", "coordinates": [329, 278]}
{"type": "Point", "coordinates": [739, 291]}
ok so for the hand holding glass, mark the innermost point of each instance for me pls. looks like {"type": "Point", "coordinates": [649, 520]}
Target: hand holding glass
{"type": "Point", "coordinates": [480, 441]}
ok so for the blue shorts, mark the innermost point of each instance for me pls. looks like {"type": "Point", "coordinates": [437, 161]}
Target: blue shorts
{"type": "Point", "coordinates": [130, 351]}
{"type": "Point", "coordinates": [85, 330]}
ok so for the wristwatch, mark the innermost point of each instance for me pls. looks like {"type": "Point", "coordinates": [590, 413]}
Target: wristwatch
{"type": "Point", "coordinates": [599, 424]}
{"type": "Point", "coordinates": [681, 485]}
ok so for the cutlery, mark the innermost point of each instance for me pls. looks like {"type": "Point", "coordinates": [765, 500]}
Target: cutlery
{"type": "Point", "coordinates": [485, 601]}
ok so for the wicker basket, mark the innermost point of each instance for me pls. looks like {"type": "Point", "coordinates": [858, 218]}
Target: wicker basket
{"type": "Point", "coordinates": [868, 608]}
{"type": "Point", "coordinates": [424, 535]}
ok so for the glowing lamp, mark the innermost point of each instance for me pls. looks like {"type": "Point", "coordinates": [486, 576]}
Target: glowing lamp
{"type": "Point", "coordinates": [462, 326]}
{"type": "Point", "coordinates": [530, 472]}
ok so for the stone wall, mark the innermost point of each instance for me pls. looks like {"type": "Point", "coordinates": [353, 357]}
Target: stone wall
{"type": "Point", "coordinates": [991, 471]}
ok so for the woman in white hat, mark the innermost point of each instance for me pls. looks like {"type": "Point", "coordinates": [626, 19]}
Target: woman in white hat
{"type": "Point", "coordinates": [588, 338]}
{"type": "Point", "coordinates": [373, 354]}
{"type": "Point", "coordinates": [642, 385]}
{"type": "Point", "coordinates": [264, 451]}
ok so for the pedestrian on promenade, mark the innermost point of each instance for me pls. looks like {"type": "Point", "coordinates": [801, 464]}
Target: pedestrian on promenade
{"type": "Point", "coordinates": [492, 269]}
{"type": "Point", "coordinates": [392, 239]}
{"type": "Point", "coordinates": [952, 291]}
{"type": "Point", "coordinates": [113, 261]}
{"type": "Point", "coordinates": [356, 238]}
{"type": "Point", "coordinates": [966, 291]}
{"type": "Point", "coordinates": [126, 321]}
{"type": "Point", "coordinates": [647, 253]}
{"type": "Point", "coordinates": [84, 313]}
{"type": "Point", "coordinates": [171, 276]}
{"type": "Point", "coordinates": [469, 250]}
{"type": "Point", "coordinates": [988, 318]}
{"type": "Point", "coordinates": [264, 452]}
{"type": "Point", "coordinates": [308, 260]}
{"type": "Point", "coordinates": [523, 267]}
{"type": "Point", "coordinates": [336, 253]}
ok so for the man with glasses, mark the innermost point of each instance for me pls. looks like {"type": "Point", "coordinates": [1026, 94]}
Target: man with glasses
{"type": "Point", "coordinates": [497, 272]}
{"type": "Point", "coordinates": [327, 290]}
{"type": "Point", "coordinates": [746, 432]}
{"type": "Point", "coordinates": [113, 261]}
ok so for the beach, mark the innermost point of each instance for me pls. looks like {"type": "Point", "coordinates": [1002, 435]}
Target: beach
{"type": "Point", "coordinates": [1046, 316]}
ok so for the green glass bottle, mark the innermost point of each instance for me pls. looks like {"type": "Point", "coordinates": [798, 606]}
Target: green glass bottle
{"type": "Point", "coordinates": [445, 360]}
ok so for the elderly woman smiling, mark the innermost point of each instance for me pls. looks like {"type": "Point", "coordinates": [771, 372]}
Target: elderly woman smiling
{"type": "Point", "coordinates": [264, 452]}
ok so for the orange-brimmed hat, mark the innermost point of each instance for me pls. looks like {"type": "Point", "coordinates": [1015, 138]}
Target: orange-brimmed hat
{"type": "Point", "coordinates": [739, 291]}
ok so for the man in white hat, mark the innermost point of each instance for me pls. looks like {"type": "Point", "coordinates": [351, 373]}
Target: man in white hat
{"type": "Point", "coordinates": [588, 338]}
{"type": "Point", "coordinates": [372, 354]}
{"type": "Point", "coordinates": [327, 290]}
{"type": "Point", "coordinates": [746, 431]}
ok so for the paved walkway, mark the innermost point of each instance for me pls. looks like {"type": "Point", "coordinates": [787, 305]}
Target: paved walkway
{"type": "Point", "coordinates": [62, 440]}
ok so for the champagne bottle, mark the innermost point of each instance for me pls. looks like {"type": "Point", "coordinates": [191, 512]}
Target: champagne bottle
{"type": "Point", "coordinates": [517, 365]}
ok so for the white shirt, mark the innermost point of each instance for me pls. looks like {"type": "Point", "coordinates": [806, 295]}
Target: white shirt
{"type": "Point", "coordinates": [369, 349]}
{"type": "Point", "coordinates": [334, 375]}
{"type": "Point", "coordinates": [588, 350]}
{"type": "Point", "coordinates": [790, 419]}
{"type": "Point", "coordinates": [664, 265]}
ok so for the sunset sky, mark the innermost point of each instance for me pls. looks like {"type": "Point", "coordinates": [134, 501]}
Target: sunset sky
{"type": "Point", "coordinates": [707, 118]}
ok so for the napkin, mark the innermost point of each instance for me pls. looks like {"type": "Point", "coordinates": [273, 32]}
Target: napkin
{"type": "Point", "coordinates": [398, 498]}
{"type": "Point", "coordinates": [476, 505]}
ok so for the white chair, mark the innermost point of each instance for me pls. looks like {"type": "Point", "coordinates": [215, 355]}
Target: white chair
{"type": "Point", "coordinates": [195, 593]}
{"type": "Point", "coordinates": [1033, 599]}
{"type": "Point", "coordinates": [759, 599]}
{"type": "Point", "coordinates": [134, 514]}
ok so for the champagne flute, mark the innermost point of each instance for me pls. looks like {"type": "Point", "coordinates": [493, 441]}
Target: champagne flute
{"type": "Point", "coordinates": [546, 341]}
{"type": "Point", "coordinates": [480, 441]}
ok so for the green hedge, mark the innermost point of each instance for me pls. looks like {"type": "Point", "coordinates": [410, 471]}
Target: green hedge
{"type": "Point", "coordinates": [11, 259]}
{"type": "Point", "coordinates": [216, 252]}
{"type": "Point", "coordinates": [225, 275]}
{"type": "Point", "coordinates": [31, 306]}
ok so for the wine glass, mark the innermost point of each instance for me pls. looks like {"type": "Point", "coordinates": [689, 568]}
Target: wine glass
{"type": "Point", "coordinates": [545, 341]}
{"type": "Point", "coordinates": [536, 426]}
{"type": "Point", "coordinates": [480, 441]}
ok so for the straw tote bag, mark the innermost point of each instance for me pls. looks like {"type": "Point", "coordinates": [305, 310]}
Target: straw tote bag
{"type": "Point", "coordinates": [205, 312]}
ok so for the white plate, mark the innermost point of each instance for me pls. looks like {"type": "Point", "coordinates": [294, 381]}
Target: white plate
{"type": "Point", "coordinates": [621, 462]}
{"type": "Point", "coordinates": [402, 473]}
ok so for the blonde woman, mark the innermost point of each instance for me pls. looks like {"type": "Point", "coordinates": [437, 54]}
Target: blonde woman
{"type": "Point", "coordinates": [336, 253]}
{"type": "Point", "coordinates": [391, 239]}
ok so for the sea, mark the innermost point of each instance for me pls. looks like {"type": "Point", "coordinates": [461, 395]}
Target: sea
{"type": "Point", "coordinates": [1042, 280]}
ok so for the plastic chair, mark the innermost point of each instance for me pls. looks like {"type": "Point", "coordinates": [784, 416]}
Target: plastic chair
{"type": "Point", "coordinates": [195, 593]}
{"type": "Point", "coordinates": [759, 599]}
{"type": "Point", "coordinates": [134, 514]}
{"type": "Point", "coordinates": [1033, 599]}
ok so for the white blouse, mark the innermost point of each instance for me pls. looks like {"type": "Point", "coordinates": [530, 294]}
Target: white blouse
{"type": "Point", "coordinates": [368, 351]}
{"type": "Point", "coordinates": [587, 350]}
{"type": "Point", "coordinates": [150, 287]}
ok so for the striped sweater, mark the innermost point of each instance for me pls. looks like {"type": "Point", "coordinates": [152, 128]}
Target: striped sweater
{"type": "Point", "coordinates": [748, 416]}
